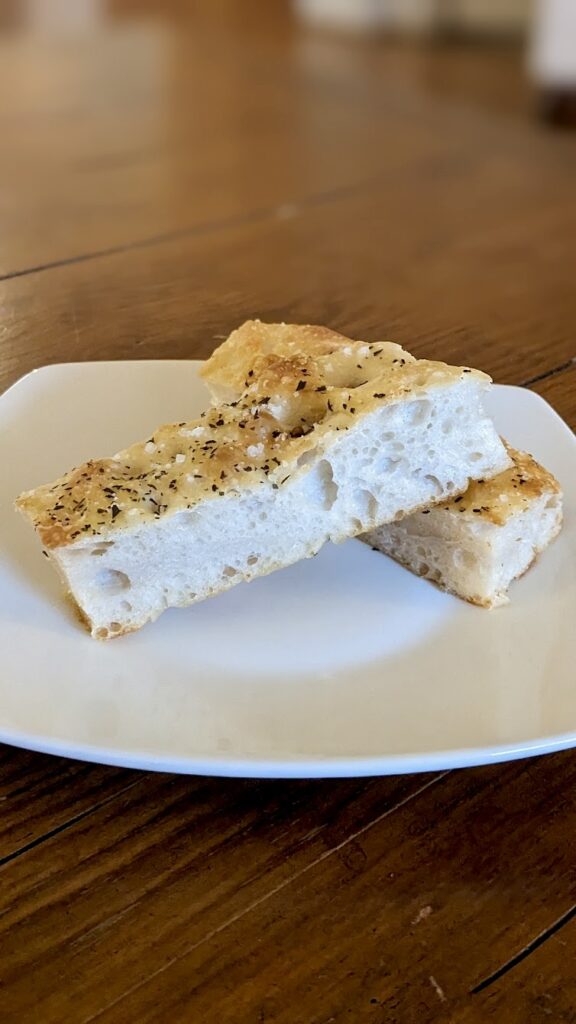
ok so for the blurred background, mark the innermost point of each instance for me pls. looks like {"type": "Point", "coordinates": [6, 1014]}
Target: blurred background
{"type": "Point", "coordinates": [398, 167]}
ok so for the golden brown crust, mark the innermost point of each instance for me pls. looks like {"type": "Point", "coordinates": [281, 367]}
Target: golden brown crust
{"type": "Point", "coordinates": [508, 493]}
{"type": "Point", "coordinates": [298, 381]}
{"type": "Point", "coordinates": [100, 632]}
{"type": "Point", "coordinates": [271, 355]}
{"type": "Point", "coordinates": [232, 360]}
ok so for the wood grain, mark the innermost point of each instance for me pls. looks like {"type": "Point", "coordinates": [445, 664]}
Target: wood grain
{"type": "Point", "coordinates": [540, 988]}
{"type": "Point", "coordinates": [144, 128]}
{"type": "Point", "coordinates": [138, 136]}
{"type": "Point", "coordinates": [397, 923]}
{"type": "Point", "coordinates": [40, 795]}
{"type": "Point", "coordinates": [170, 862]}
{"type": "Point", "coordinates": [425, 261]}
{"type": "Point", "coordinates": [123, 176]}
{"type": "Point", "coordinates": [560, 390]}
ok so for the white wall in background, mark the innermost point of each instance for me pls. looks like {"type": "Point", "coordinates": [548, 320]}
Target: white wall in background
{"type": "Point", "coordinates": [553, 49]}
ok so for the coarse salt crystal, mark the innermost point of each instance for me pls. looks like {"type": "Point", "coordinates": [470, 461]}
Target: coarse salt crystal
{"type": "Point", "coordinates": [277, 410]}
{"type": "Point", "coordinates": [194, 432]}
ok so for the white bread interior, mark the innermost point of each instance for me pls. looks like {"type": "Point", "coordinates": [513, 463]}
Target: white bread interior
{"type": "Point", "coordinates": [477, 544]}
{"type": "Point", "coordinates": [323, 443]}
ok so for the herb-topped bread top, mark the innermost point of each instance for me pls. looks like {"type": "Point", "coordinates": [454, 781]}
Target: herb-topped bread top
{"type": "Point", "coordinates": [507, 494]}
{"type": "Point", "coordinates": [286, 389]}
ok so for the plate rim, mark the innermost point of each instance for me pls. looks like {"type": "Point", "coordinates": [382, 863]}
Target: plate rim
{"type": "Point", "coordinates": [320, 767]}
{"type": "Point", "coordinates": [286, 767]}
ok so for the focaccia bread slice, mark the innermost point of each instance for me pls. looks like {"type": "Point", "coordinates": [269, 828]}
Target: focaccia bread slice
{"type": "Point", "coordinates": [324, 441]}
{"type": "Point", "coordinates": [475, 545]}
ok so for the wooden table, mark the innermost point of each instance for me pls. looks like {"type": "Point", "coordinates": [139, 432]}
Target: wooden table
{"type": "Point", "coordinates": [164, 175]}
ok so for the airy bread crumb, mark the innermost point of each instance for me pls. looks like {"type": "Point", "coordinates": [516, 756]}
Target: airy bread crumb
{"type": "Point", "coordinates": [475, 545]}
{"type": "Point", "coordinates": [320, 438]}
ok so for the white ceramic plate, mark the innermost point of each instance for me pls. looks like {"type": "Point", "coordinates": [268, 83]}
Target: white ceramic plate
{"type": "Point", "coordinates": [342, 665]}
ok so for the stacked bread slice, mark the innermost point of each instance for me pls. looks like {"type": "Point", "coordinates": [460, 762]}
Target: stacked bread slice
{"type": "Point", "coordinates": [314, 437]}
{"type": "Point", "coordinates": [477, 543]}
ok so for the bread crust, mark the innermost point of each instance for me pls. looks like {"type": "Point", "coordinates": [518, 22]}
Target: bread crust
{"type": "Point", "coordinates": [493, 502]}
{"type": "Point", "coordinates": [296, 386]}
{"type": "Point", "coordinates": [506, 494]}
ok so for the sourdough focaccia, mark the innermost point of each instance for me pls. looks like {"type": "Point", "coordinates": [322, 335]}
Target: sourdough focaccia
{"type": "Point", "coordinates": [321, 438]}
{"type": "Point", "coordinates": [475, 545]}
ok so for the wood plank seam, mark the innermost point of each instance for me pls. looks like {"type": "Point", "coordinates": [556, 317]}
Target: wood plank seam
{"type": "Point", "coordinates": [65, 825]}
{"type": "Point", "coordinates": [269, 894]}
{"type": "Point", "coordinates": [169, 236]}
{"type": "Point", "coordinates": [256, 216]}
{"type": "Point", "coordinates": [549, 373]}
{"type": "Point", "coordinates": [522, 954]}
